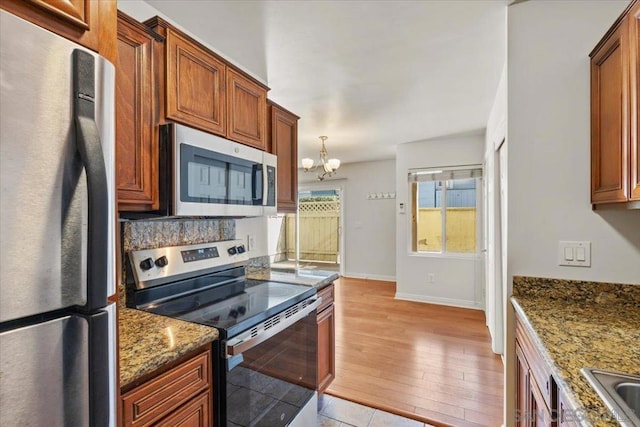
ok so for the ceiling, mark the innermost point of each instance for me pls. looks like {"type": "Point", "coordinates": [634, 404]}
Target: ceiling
{"type": "Point", "coordinates": [368, 74]}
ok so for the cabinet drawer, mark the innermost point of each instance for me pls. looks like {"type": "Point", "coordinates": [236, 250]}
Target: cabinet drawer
{"type": "Point", "coordinates": [194, 413]}
{"type": "Point", "coordinates": [160, 396]}
{"type": "Point", "coordinates": [327, 297]}
{"type": "Point", "coordinates": [537, 365]}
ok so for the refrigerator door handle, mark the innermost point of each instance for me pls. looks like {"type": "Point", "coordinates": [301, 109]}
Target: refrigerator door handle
{"type": "Point", "coordinates": [90, 149]}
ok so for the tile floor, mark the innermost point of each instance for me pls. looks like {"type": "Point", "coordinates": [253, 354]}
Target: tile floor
{"type": "Point", "coordinates": [336, 412]}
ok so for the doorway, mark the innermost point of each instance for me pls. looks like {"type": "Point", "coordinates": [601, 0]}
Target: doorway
{"type": "Point", "coordinates": [311, 238]}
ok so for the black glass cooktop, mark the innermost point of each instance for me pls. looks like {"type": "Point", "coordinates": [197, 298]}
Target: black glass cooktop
{"type": "Point", "coordinates": [233, 308]}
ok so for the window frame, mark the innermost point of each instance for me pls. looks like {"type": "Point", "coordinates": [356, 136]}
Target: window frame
{"type": "Point", "coordinates": [413, 218]}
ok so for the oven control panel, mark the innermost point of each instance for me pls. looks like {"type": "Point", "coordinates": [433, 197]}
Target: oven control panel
{"type": "Point", "coordinates": [152, 267]}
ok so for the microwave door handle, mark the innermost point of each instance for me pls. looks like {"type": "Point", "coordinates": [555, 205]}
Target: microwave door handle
{"type": "Point", "coordinates": [257, 169]}
{"type": "Point", "coordinates": [265, 184]}
{"type": "Point", "coordinates": [90, 149]}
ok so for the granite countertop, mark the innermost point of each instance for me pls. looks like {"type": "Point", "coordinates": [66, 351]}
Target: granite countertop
{"type": "Point", "coordinates": [582, 324]}
{"type": "Point", "coordinates": [148, 341]}
{"type": "Point", "coordinates": [317, 278]}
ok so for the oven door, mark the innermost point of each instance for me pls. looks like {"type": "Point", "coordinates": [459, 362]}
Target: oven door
{"type": "Point", "coordinates": [272, 381]}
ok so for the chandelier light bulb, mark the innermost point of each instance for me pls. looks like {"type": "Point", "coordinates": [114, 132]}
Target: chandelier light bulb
{"type": "Point", "coordinates": [307, 163]}
{"type": "Point", "coordinates": [334, 164]}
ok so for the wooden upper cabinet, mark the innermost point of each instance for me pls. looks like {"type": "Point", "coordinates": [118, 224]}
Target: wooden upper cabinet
{"type": "Point", "coordinates": [634, 30]}
{"type": "Point", "coordinates": [136, 116]}
{"type": "Point", "coordinates": [283, 142]}
{"type": "Point", "coordinates": [89, 23]}
{"type": "Point", "coordinates": [615, 76]}
{"type": "Point", "coordinates": [195, 85]}
{"type": "Point", "coordinates": [246, 110]}
{"type": "Point", "coordinates": [610, 119]}
{"type": "Point", "coordinates": [206, 92]}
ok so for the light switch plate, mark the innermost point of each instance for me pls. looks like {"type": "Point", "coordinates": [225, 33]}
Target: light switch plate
{"type": "Point", "coordinates": [580, 253]}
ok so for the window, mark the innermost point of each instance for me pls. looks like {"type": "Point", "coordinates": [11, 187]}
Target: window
{"type": "Point", "coordinates": [444, 210]}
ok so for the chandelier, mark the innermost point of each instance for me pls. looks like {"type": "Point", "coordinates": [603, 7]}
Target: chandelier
{"type": "Point", "coordinates": [329, 166]}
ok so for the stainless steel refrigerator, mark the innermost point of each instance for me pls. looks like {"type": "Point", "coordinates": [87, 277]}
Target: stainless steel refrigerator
{"type": "Point", "coordinates": [57, 329]}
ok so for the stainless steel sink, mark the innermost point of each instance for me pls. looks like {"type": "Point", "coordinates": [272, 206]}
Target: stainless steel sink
{"type": "Point", "coordinates": [620, 392]}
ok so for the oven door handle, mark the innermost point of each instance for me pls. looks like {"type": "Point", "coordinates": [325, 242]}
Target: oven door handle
{"type": "Point", "coordinates": [245, 341]}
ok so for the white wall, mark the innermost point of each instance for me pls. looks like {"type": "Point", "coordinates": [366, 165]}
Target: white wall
{"type": "Point", "coordinates": [455, 277]}
{"type": "Point", "coordinates": [549, 145]}
{"type": "Point", "coordinates": [369, 225]}
{"type": "Point", "coordinates": [258, 230]}
{"type": "Point", "coordinates": [549, 151]}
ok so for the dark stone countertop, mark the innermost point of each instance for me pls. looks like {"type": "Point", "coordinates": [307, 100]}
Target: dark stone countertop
{"type": "Point", "coordinates": [148, 341]}
{"type": "Point", "coordinates": [317, 278]}
{"type": "Point", "coordinates": [579, 325]}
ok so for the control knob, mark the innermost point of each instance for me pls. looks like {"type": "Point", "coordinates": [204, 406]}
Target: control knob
{"type": "Point", "coordinates": [232, 250]}
{"type": "Point", "coordinates": [162, 261]}
{"type": "Point", "coordinates": [146, 264]}
{"type": "Point", "coordinates": [240, 249]}
{"type": "Point", "coordinates": [233, 313]}
{"type": "Point", "coordinates": [242, 309]}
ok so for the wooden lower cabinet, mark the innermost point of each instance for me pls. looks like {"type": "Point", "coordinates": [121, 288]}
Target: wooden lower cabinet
{"type": "Point", "coordinates": [536, 392]}
{"type": "Point", "coordinates": [180, 396]}
{"type": "Point", "coordinates": [567, 417]}
{"type": "Point", "coordinates": [194, 413]}
{"type": "Point", "coordinates": [326, 340]}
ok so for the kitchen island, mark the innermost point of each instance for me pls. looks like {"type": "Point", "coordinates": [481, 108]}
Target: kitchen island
{"type": "Point", "coordinates": [575, 325]}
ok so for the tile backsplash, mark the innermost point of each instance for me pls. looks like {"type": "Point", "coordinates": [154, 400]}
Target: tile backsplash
{"type": "Point", "coordinates": [138, 235]}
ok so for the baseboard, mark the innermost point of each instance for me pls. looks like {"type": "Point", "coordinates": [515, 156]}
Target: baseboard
{"type": "Point", "coordinates": [370, 277]}
{"type": "Point", "coordinates": [439, 300]}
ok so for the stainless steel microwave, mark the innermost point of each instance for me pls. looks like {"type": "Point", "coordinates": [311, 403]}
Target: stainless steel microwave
{"type": "Point", "coordinates": [206, 175]}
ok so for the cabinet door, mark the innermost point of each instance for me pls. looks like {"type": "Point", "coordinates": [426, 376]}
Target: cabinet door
{"type": "Point", "coordinates": [523, 393]}
{"type": "Point", "coordinates": [634, 24]}
{"type": "Point", "coordinates": [159, 397]}
{"type": "Point", "coordinates": [246, 110]}
{"type": "Point", "coordinates": [539, 410]}
{"type": "Point", "coordinates": [567, 417]}
{"type": "Point", "coordinates": [136, 130]}
{"type": "Point", "coordinates": [610, 119]}
{"type": "Point", "coordinates": [195, 85]}
{"type": "Point", "coordinates": [195, 413]}
{"type": "Point", "coordinates": [89, 23]}
{"type": "Point", "coordinates": [326, 348]}
{"type": "Point", "coordinates": [284, 144]}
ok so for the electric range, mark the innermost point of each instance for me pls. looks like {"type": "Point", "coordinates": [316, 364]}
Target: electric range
{"type": "Point", "coordinates": [266, 372]}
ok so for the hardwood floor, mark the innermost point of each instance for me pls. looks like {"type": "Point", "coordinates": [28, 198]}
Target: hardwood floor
{"type": "Point", "coordinates": [427, 362]}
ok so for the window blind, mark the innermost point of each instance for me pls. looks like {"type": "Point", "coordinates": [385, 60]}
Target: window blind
{"type": "Point", "coordinates": [443, 174]}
